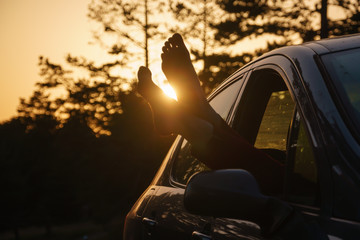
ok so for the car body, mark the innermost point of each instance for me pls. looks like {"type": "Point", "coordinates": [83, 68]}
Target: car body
{"type": "Point", "coordinates": [294, 104]}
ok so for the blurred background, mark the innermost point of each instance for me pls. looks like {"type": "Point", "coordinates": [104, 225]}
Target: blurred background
{"type": "Point", "coordinates": [77, 145]}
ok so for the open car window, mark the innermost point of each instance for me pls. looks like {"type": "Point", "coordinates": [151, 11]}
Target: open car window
{"type": "Point", "coordinates": [267, 118]}
{"type": "Point", "coordinates": [265, 112]}
{"type": "Point", "coordinates": [274, 126]}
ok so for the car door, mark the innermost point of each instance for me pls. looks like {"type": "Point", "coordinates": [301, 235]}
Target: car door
{"type": "Point", "coordinates": [165, 216]}
{"type": "Point", "coordinates": [267, 116]}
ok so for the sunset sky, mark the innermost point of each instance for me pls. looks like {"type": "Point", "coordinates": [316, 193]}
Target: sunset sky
{"type": "Point", "coordinates": [30, 28]}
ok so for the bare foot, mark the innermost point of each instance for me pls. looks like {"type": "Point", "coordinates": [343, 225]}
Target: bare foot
{"type": "Point", "coordinates": [163, 108]}
{"type": "Point", "coordinates": [177, 66]}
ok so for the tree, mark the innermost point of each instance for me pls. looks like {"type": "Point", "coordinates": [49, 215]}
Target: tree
{"type": "Point", "coordinates": [350, 23]}
{"type": "Point", "coordinates": [123, 21]}
{"type": "Point", "coordinates": [290, 20]}
{"type": "Point", "coordinates": [13, 184]}
{"type": "Point", "coordinates": [278, 23]}
{"type": "Point", "coordinates": [222, 25]}
{"type": "Point", "coordinates": [217, 28]}
{"type": "Point", "coordinates": [93, 99]}
{"type": "Point", "coordinates": [194, 21]}
{"type": "Point", "coordinates": [86, 135]}
{"type": "Point", "coordinates": [324, 31]}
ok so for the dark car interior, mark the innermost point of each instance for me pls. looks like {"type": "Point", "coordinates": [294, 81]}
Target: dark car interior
{"type": "Point", "coordinates": [255, 100]}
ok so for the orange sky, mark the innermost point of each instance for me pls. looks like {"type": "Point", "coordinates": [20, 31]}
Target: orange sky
{"type": "Point", "coordinates": [30, 28]}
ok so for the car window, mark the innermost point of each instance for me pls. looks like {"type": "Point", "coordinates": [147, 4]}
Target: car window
{"type": "Point", "coordinates": [185, 165]}
{"type": "Point", "coordinates": [265, 112]}
{"type": "Point", "coordinates": [225, 100]}
{"type": "Point", "coordinates": [275, 121]}
{"type": "Point", "coordinates": [266, 117]}
{"type": "Point", "coordinates": [344, 71]}
{"type": "Point", "coordinates": [301, 175]}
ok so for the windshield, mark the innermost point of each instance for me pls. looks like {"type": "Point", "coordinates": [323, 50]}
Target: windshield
{"type": "Point", "coordinates": [344, 70]}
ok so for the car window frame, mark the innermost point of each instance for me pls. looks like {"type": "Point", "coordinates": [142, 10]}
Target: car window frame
{"type": "Point", "coordinates": [293, 136]}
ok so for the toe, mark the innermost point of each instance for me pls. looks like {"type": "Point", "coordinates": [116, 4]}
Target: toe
{"type": "Point", "coordinates": [167, 45]}
{"type": "Point", "coordinates": [144, 73]}
{"type": "Point", "coordinates": [177, 40]}
{"type": "Point", "coordinates": [165, 50]}
{"type": "Point", "coordinates": [143, 69]}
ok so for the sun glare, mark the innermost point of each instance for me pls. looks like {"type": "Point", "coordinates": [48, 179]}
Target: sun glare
{"type": "Point", "coordinates": [160, 80]}
{"type": "Point", "coordinates": [168, 90]}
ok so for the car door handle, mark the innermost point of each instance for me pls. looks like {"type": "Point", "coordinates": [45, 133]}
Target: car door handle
{"type": "Point", "coordinates": [149, 222]}
{"type": "Point", "coordinates": [200, 236]}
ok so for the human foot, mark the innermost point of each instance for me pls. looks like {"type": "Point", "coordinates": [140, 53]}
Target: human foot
{"type": "Point", "coordinates": [164, 109]}
{"type": "Point", "coordinates": [177, 66]}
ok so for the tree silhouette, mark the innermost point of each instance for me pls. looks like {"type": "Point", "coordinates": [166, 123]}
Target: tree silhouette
{"type": "Point", "coordinates": [14, 186]}
{"type": "Point", "coordinates": [128, 26]}
{"type": "Point", "coordinates": [84, 135]}
{"type": "Point", "coordinates": [92, 100]}
{"type": "Point", "coordinates": [221, 25]}
{"type": "Point", "coordinates": [277, 22]}
{"type": "Point", "coordinates": [194, 20]}
{"type": "Point", "coordinates": [350, 24]}
{"type": "Point", "coordinates": [285, 19]}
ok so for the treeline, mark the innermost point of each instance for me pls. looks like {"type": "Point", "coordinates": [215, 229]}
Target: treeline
{"type": "Point", "coordinates": [53, 175]}
{"type": "Point", "coordinates": [83, 147]}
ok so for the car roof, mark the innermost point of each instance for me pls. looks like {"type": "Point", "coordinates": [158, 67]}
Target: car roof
{"type": "Point", "coordinates": [336, 44]}
{"type": "Point", "coordinates": [297, 52]}
{"type": "Point", "coordinates": [322, 46]}
{"type": "Point", "coordinates": [317, 47]}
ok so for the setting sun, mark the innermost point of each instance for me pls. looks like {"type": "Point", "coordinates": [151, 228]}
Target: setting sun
{"type": "Point", "coordinates": [160, 80]}
{"type": "Point", "coordinates": [168, 90]}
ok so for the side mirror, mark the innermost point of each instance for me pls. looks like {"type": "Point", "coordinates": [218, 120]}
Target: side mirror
{"type": "Point", "coordinates": [234, 193]}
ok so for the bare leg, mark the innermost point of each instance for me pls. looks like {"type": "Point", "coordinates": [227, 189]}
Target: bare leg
{"type": "Point", "coordinates": [225, 148]}
{"type": "Point", "coordinates": [163, 110]}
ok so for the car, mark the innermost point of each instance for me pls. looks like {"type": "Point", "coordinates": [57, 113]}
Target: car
{"type": "Point", "coordinates": [301, 105]}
